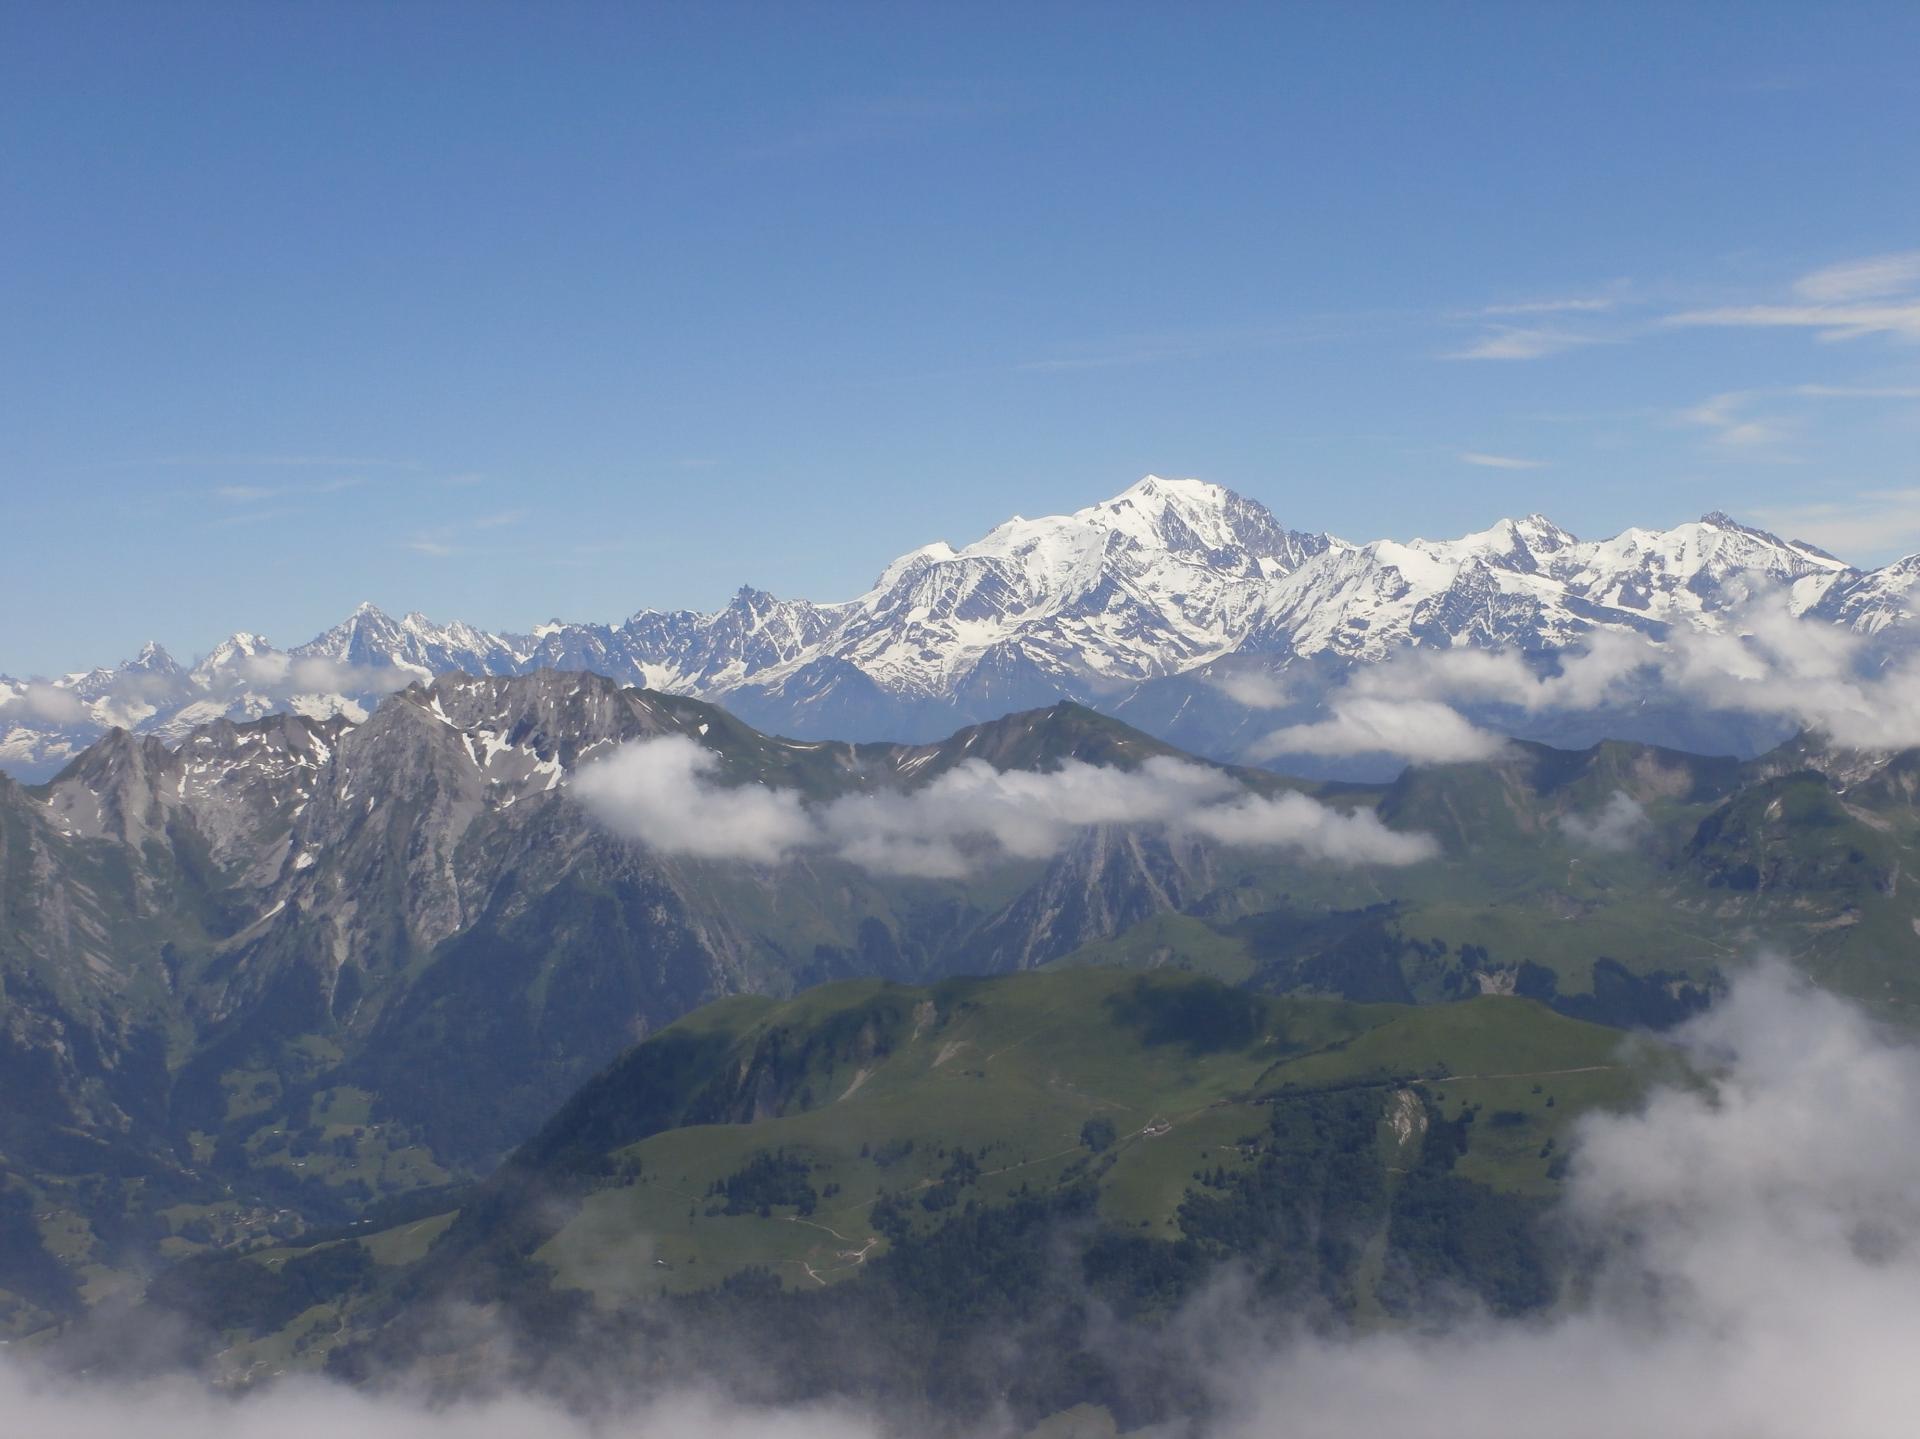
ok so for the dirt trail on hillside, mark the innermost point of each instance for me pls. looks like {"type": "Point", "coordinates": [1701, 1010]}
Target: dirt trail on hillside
{"type": "Point", "coordinates": [854, 1257]}
{"type": "Point", "coordinates": [1531, 1074]}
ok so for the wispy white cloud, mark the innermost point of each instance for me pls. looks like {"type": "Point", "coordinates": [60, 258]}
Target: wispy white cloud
{"type": "Point", "coordinates": [1753, 422]}
{"type": "Point", "coordinates": [1256, 689]}
{"type": "Point", "coordinates": [1878, 295]}
{"type": "Point", "coordinates": [1832, 322]}
{"type": "Point", "coordinates": [1539, 327]}
{"type": "Point", "coordinates": [665, 793]}
{"type": "Point", "coordinates": [46, 1403]}
{"type": "Point", "coordinates": [1872, 296]}
{"type": "Point", "coordinates": [1581, 304]}
{"type": "Point", "coordinates": [1423, 731]}
{"type": "Point", "coordinates": [1616, 826]}
{"type": "Point", "coordinates": [1308, 828]}
{"type": "Point", "coordinates": [283, 677]}
{"type": "Point", "coordinates": [1731, 423]}
{"type": "Point", "coordinates": [1866, 279]}
{"type": "Point", "coordinates": [254, 494]}
{"type": "Point", "coordinates": [442, 541]}
{"type": "Point", "coordinates": [1499, 462]}
{"type": "Point", "coordinates": [1753, 1248]}
{"type": "Point", "coordinates": [1872, 522]}
{"type": "Point", "coordinates": [1520, 342]}
{"type": "Point", "coordinates": [1858, 392]}
{"type": "Point", "coordinates": [1766, 664]}
{"type": "Point", "coordinates": [38, 702]}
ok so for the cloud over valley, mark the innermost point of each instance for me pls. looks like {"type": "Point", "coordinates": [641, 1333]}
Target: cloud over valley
{"type": "Point", "coordinates": [1766, 665]}
{"type": "Point", "coordinates": [665, 792]}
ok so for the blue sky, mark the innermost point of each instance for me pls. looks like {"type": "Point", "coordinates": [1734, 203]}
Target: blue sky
{"type": "Point", "coordinates": [507, 312]}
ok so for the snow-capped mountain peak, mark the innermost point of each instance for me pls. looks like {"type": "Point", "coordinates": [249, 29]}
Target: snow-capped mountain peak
{"type": "Point", "coordinates": [153, 659]}
{"type": "Point", "coordinates": [236, 647]}
{"type": "Point", "coordinates": [1162, 578]}
{"type": "Point", "coordinates": [1200, 521]}
{"type": "Point", "coordinates": [912, 560]}
{"type": "Point", "coordinates": [1174, 515]}
{"type": "Point", "coordinates": [1532, 537]}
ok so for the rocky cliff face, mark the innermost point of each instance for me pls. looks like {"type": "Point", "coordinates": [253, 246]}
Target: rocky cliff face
{"type": "Point", "coordinates": [198, 941]}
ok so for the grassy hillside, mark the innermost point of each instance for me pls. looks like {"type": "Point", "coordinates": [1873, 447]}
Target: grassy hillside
{"type": "Point", "coordinates": [1708, 863]}
{"type": "Point", "coordinates": [940, 1160]}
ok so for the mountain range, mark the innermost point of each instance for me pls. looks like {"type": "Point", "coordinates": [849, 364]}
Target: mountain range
{"type": "Point", "coordinates": [288, 971]}
{"type": "Point", "coordinates": [420, 970]}
{"type": "Point", "coordinates": [1147, 606]}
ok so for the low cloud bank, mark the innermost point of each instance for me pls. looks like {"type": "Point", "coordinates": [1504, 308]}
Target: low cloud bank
{"type": "Point", "coordinates": [275, 680]}
{"type": "Point", "coordinates": [34, 1403]}
{"type": "Point", "coordinates": [1424, 730]}
{"type": "Point", "coordinates": [1615, 827]}
{"type": "Point", "coordinates": [665, 793]}
{"type": "Point", "coordinates": [1256, 689]}
{"type": "Point", "coordinates": [662, 792]}
{"type": "Point", "coordinates": [1767, 665]}
{"type": "Point", "coordinates": [38, 703]}
{"type": "Point", "coordinates": [1758, 1273]}
{"type": "Point", "coordinates": [281, 676]}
